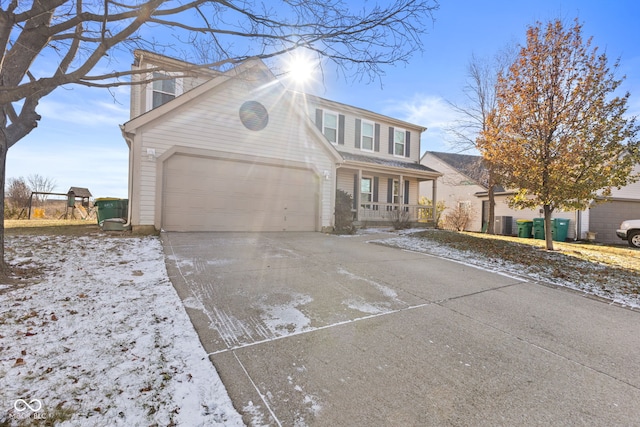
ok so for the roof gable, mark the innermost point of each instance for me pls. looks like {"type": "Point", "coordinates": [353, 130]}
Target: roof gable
{"type": "Point", "coordinates": [471, 166]}
{"type": "Point", "coordinates": [252, 70]}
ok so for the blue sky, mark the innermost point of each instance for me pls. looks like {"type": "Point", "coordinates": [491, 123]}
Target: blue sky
{"type": "Point", "coordinates": [78, 141]}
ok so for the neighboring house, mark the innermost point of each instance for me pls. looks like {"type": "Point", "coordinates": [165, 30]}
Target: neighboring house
{"type": "Point", "coordinates": [237, 151]}
{"type": "Point", "coordinates": [463, 176]}
{"type": "Point", "coordinates": [605, 217]}
{"type": "Point", "coordinates": [464, 183]}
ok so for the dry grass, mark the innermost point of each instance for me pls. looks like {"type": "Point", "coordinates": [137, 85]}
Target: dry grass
{"type": "Point", "coordinates": [614, 255]}
{"type": "Point", "coordinates": [74, 227]}
{"type": "Point", "coordinates": [603, 270]}
{"type": "Point", "coordinates": [608, 272]}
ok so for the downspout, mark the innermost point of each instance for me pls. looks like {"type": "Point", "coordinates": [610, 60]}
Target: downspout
{"type": "Point", "coordinates": [128, 137]}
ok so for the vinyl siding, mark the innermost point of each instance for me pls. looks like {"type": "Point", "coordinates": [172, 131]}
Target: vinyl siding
{"type": "Point", "coordinates": [352, 113]}
{"type": "Point", "coordinates": [503, 209]}
{"type": "Point", "coordinates": [453, 187]}
{"type": "Point", "coordinates": [211, 122]}
{"type": "Point", "coordinates": [631, 191]}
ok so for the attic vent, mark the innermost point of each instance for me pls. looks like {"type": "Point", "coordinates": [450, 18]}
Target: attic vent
{"type": "Point", "coordinates": [253, 115]}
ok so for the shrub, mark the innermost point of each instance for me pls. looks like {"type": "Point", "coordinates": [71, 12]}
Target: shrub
{"type": "Point", "coordinates": [399, 219]}
{"type": "Point", "coordinates": [458, 217]}
{"type": "Point", "coordinates": [344, 214]}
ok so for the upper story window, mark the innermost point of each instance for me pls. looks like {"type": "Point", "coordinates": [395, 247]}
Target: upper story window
{"type": "Point", "coordinates": [330, 126]}
{"type": "Point", "coordinates": [163, 89]}
{"type": "Point", "coordinates": [366, 142]}
{"type": "Point", "coordinates": [399, 142]}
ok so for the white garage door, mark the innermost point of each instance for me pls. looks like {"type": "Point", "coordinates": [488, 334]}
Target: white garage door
{"type": "Point", "coordinates": [204, 194]}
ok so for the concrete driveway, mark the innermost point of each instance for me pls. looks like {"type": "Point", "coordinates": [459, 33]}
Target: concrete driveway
{"type": "Point", "coordinates": [320, 330]}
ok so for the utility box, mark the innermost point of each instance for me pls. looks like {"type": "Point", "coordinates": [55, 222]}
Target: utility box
{"type": "Point", "coordinates": [503, 225]}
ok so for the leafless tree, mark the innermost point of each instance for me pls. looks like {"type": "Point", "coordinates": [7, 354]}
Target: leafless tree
{"type": "Point", "coordinates": [480, 93]}
{"type": "Point", "coordinates": [41, 184]}
{"type": "Point", "coordinates": [49, 44]}
{"type": "Point", "coordinates": [18, 192]}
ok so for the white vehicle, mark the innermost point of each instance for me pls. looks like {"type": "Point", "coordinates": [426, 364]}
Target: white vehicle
{"type": "Point", "coordinates": [630, 231]}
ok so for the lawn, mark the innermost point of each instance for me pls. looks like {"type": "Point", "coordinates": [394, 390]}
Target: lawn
{"type": "Point", "coordinates": [92, 333]}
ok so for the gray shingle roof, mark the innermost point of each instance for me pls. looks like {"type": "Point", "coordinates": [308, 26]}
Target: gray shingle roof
{"type": "Point", "coordinates": [386, 162]}
{"type": "Point", "coordinates": [469, 165]}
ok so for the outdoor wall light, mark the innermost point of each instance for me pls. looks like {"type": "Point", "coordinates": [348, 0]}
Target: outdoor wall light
{"type": "Point", "coordinates": [327, 175]}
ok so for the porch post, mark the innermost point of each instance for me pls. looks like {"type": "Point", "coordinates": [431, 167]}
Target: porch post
{"type": "Point", "coordinates": [357, 195]}
{"type": "Point", "coordinates": [400, 192]}
{"type": "Point", "coordinates": [434, 202]}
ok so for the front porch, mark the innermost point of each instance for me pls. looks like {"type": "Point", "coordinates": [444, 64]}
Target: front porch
{"type": "Point", "coordinates": [389, 214]}
{"type": "Point", "coordinates": [386, 192]}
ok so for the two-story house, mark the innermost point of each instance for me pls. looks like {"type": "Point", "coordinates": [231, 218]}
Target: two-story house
{"type": "Point", "coordinates": [237, 151]}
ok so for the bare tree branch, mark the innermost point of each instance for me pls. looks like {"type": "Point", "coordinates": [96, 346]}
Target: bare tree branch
{"type": "Point", "coordinates": [46, 44]}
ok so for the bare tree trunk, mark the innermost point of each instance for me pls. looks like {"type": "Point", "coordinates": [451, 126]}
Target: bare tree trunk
{"type": "Point", "coordinates": [548, 235]}
{"type": "Point", "coordinates": [492, 212]}
{"type": "Point", "coordinates": [492, 202]}
{"type": "Point", "coordinates": [4, 268]}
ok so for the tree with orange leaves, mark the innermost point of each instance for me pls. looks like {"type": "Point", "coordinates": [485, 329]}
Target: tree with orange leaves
{"type": "Point", "coordinates": [559, 134]}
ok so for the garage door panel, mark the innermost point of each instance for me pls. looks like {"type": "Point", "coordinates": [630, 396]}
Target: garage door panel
{"type": "Point", "coordinates": [204, 194]}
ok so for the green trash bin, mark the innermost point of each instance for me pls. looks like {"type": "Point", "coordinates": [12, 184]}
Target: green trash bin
{"type": "Point", "coordinates": [525, 228]}
{"type": "Point", "coordinates": [538, 228]}
{"type": "Point", "coordinates": [560, 229]}
{"type": "Point", "coordinates": [111, 207]}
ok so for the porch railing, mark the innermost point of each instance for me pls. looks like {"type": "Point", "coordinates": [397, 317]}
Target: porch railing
{"type": "Point", "coordinates": [391, 212]}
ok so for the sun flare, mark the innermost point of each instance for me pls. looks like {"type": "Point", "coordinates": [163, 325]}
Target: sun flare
{"type": "Point", "coordinates": [301, 68]}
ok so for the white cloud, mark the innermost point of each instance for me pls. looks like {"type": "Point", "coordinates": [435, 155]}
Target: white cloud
{"type": "Point", "coordinates": [92, 113]}
{"type": "Point", "coordinates": [432, 112]}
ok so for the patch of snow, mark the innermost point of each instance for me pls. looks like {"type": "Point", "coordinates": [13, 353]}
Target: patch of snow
{"type": "Point", "coordinates": [101, 338]}
{"type": "Point", "coordinates": [286, 317]}
{"type": "Point", "coordinates": [219, 262]}
{"type": "Point", "coordinates": [365, 307]}
{"type": "Point", "coordinates": [384, 290]}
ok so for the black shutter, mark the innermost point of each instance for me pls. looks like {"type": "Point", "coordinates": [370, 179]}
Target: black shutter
{"type": "Point", "coordinates": [341, 129]}
{"type": "Point", "coordinates": [319, 119]}
{"type": "Point", "coordinates": [390, 190]}
{"type": "Point", "coordinates": [355, 191]}
{"type": "Point", "coordinates": [406, 192]}
{"type": "Point", "coordinates": [407, 145]}
{"type": "Point", "coordinates": [358, 131]}
{"type": "Point", "coordinates": [376, 138]}
{"type": "Point", "coordinates": [390, 140]}
{"type": "Point", "coordinates": [376, 182]}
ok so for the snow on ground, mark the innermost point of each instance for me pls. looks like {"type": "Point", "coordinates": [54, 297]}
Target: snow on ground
{"type": "Point", "coordinates": [99, 337]}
